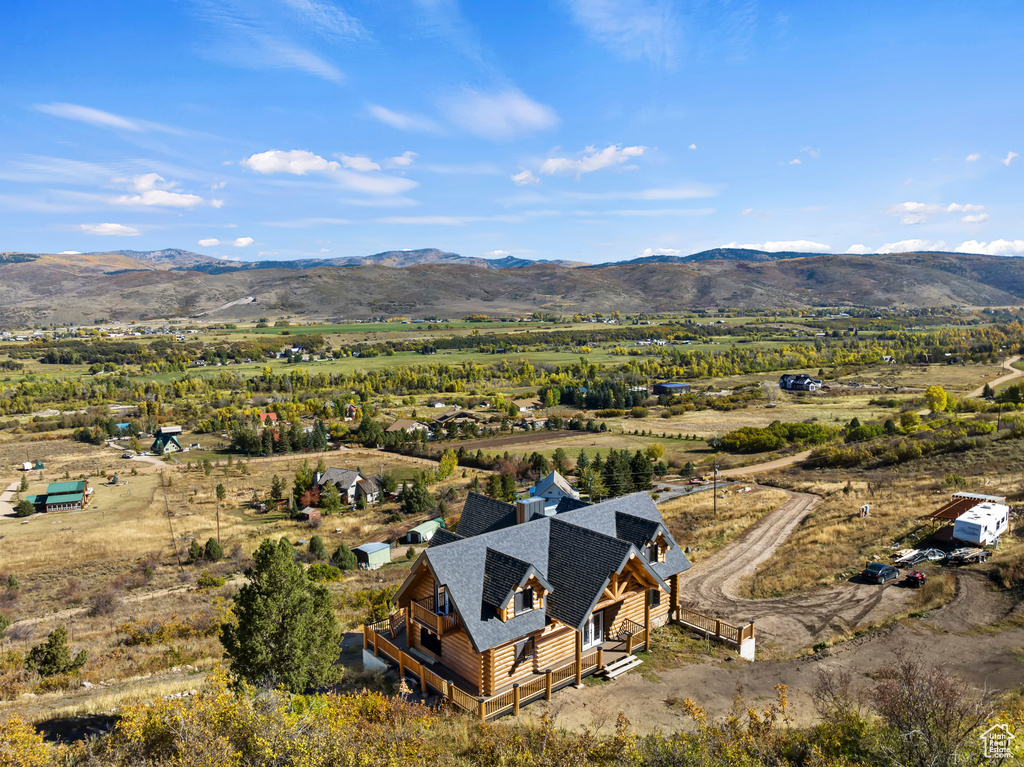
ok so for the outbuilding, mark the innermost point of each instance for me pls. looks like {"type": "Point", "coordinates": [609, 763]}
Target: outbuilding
{"type": "Point", "coordinates": [424, 532]}
{"type": "Point", "coordinates": [370, 556]}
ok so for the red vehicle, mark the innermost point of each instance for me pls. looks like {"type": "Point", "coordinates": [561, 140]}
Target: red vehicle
{"type": "Point", "coordinates": [915, 579]}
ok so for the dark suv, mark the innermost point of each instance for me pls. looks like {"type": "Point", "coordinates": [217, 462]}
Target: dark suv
{"type": "Point", "coordinates": [879, 573]}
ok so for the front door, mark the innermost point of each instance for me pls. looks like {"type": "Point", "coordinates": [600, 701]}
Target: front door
{"type": "Point", "coordinates": [593, 630]}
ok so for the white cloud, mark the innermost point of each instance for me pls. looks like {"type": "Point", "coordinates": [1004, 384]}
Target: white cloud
{"type": "Point", "coordinates": [110, 230]}
{"type": "Point", "coordinates": [327, 19]}
{"type": "Point", "coordinates": [209, 242]}
{"type": "Point", "coordinates": [978, 218]}
{"type": "Point", "coordinates": [858, 250]}
{"type": "Point", "coordinates": [102, 119]}
{"type": "Point", "coordinates": [403, 121]}
{"type": "Point", "coordinates": [994, 248]}
{"type": "Point", "coordinates": [974, 157]}
{"type": "Point", "coordinates": [814, 154]}
{"type": "Point", "coordinates": [153, 191]}
{"type": "Point", "coordinates": [524, 177]}
{"type": "Point", "coordinates": [695, 191]}
{"type": "Point", "coordinates": [299, 162]}
{"type": "Point", "coordinates": [912, 246]}
{"type": "Point", "coordinates": [632, 29]}
{"type": "Point", "coordinates": [918, 212]}
{"type": "Point", "coordinates": [777, 246]}
{"type": "Point", "coordinates": [649, 212]}
{"type": "Point", "coordinates": [659, 252]}
{"type": "Point", "coordinates": [754, 213]}
{"type": "Point", "coordinates": [447, 220]}
{"type": "Point", "coordinates": [497, 253]}
{"type": "Point", "coordinates": [498, 115]}
{"type": "Point", "coordinates": [70, 253]}
{"type": "Point", "coordinates": [1009, 158]}
{"type": "Point", "coordinates": [359, 163]}
{"type": "Point", "coordinates": [243, 242]}
{"type": "Point", "coordinates": [592, 159]}
{"type": "Point", "coordinates": [404, 160]}
{"type": "Point", "coordinates": [796, 161]}
{"type": "Point", "coordinates": [692, 146]}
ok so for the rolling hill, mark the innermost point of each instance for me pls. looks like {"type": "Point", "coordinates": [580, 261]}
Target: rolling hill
{"type": "Point", "coordinates": [125, 285]}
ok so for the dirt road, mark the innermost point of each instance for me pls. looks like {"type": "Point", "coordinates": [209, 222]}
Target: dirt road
{"type": "Point", "coordinates": [761, 468]}
{"type": "Point", "coordinates": [791, 623]}
{"type": "Point", "coordinates": [1011, 373]}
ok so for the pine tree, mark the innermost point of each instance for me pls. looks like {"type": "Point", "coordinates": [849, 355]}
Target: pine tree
{"type": "Point", "coordinates": [317, 548]}
{"type": "Point", "coordinates": [508, 488]}
{"type": "Point", "coordinates": [286, 632]}
{"type": "Point", "coordinates": [493, 486]}
{"type": "Point", "coordinates": [54, 656]}
{"type": "Point", "coordinates": [642, 470]}
{"type": "Point", "coordinates": [195, 552]}
{"type": "Point", "coordinates": [417, 499]}
{"type": "Point", "coordinates": [304, 480]}
{"type": "Point", "coordinates": [582, 462]}
{"type": "Point", "coordinates": [330, 500]}
{"type": "Point", "coordinates": [213, 551]}
{"type": "Point", "coordinates": [277, 488]}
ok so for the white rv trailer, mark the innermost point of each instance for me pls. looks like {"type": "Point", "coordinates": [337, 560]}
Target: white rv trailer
{"type": "Point", "coordinates": [982, 524]}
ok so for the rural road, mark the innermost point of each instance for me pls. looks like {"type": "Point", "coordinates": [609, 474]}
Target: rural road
{"type": "Point", "coordinates": [788, 623]}
{"type": "Point", "coordinates": [6, 507]}
{"type": "Point", "coordinates": [1011, 373]}
{"type": "Point", "coordinates": [758, 468]}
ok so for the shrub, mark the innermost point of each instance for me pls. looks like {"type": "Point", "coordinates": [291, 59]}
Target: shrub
{"type": "Point", "coordinates": [104, 603]}
{"type": "Point", "coordinates": [318, 571]}
{"type": "Point", "coordinates": [609, 413]}
{"type": "Point", "coordinates": [638, 412]}
{"type": "Point", "coordinates": [53, 656]}
{"type": "Point", "coordinates": [195, 552]}
{"type": "Point", "coordinates": [11, 583]}
{"type": "Point", "coordinates": [24, 509]}
{"type": "Point", "coordinates": [5, 623]}
{"type": "Point", "coordinates": [213, 550]}
{"type": "Point", "coordinates": [410, 553]}
{"type": "Point", "coordinates": [208, 581]}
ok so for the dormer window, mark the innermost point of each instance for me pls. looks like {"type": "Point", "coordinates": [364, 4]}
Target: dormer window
{"type": "Point", "coordinates": [651, 552]}
{"type": "Point", "coordinates": [523, 601]}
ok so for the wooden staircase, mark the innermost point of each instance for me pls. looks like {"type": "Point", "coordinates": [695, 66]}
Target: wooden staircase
{"type": "Point", "coordinates": [621, 666]}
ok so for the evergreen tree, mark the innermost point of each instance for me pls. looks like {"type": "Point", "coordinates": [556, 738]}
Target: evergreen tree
{"type": "Point", "coordinates": [539, 464]}
{"type": "Point", "coordinates": [23, 485]}
{"type": "Point", "coordinates": [417, 499]}
{"type": "Point", "coordinates": [642, 471]}
{"type": "Point", "coordinates": [286, 633]}
{"type": "Point", "coordinates": [304, 480]}
{"type": "Point", "coordinates": [344, 558]}
{"type": "Point", "coordinates": [559, 461]}
{"type": "Point", "coordinates": [493, 486]}
{"type": "Point", "coordinates": [24, 509]}
{"type": "Point", "coordinates": [267, 441]}
{"type": "Point", "coordinates": [53, 656]}
{"type": "Point", "coordinates": [277, 488]}
{"type": "Point", "coordinates": [508, 488]}
{"type": "Point", "coordinates": [213, 551]}
{"type": "Point", "coordinates": [295, 435]}
{"type": "Point", "coordinates": [221, 493]}
{"type": "Point", "coordinates": [195, 552]}
{"type": "Point", "coordinates": [330, 500]}
{"type": "Point", "coordinates": [317, 548]}
{"type": "Point", "coordinates": [582, 462]}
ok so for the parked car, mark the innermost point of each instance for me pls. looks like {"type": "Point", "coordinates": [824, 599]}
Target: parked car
{"type": "Point", "coordinates": [127, 455]}
{"type": "Point", "coordinates": [880, 573]}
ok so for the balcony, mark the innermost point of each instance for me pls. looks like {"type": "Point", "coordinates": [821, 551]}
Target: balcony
{"type": "Point", "coordinates": [424, 612]}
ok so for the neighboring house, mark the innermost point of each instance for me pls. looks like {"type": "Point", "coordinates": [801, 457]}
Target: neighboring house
{"type": "Point", "coordinates": [371, 489]}
{"type": "Point", "coordinates": [407, 425]}
{"type": "Point", "coordinates": [671, 388]}
{"type": "Point", "coordinates": [370, 556]}
{"type": "Point", "coordinates": [514, 595]}
{"type": "Point", "coordinates": [266, 418]}
{"type": "Point", "coordinates": [525, 405]}
{"type": "Point", "coordinates": [799, 382]}
{"type": "Point", "coordinates": [438, 404]}
{"type": "Point", "coordinates": [63, 496]}
{"type": "Point", "coordinates": [553, 488]}
{"type": "Point", "coordinates": [166, 440]}
{"type": "Point", "coordinates": [457, 416]}
{"type": "Point", "coordinates": [345, 480]}
{"type": "Point", "coordinates": [424, 532]}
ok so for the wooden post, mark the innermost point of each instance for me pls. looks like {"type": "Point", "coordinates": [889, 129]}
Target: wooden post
{"type": "Point", "coordinates": [375, 653]}
{"type": "Point", "coordinates": [547, 685]}
{"type": "Point", "coordinates": [647, 621]}
{"type": "Point", "coordinates": [629, 645]}
{"type": "Point", "coordinates": [675, 595]}
{"type": "Point", "coordinates": [482, 709]}
{"type": "Point", "coordinates": [718, 629]}
{"type": "Point", "coordinates": [450, 686]}
{"type": "Point", "coordinates": [600, 658]}
{"type": "Point", "coordinates": [365, 641]}
{"type": "Point", "coordinates": [579, 659]}
{"type": "Point", "coordinates": [401, 663]}
{"type": "Point", "coordinates": [515, 699]}
{"type": "Point", "coordinates": [423, 680]}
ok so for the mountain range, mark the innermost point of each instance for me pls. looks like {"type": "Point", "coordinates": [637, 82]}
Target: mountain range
{"type": "Point", "coordinates": [132, 285]}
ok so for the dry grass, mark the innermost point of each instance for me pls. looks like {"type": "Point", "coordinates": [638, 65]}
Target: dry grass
{"type": "Point", "coordinates": [693, 523]}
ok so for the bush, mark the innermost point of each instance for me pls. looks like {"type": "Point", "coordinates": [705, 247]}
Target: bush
{"type": "Point", "coordinates": [24, 509]}
{"type": "Point", "coordinates": [318, 571]}
{"type": "Point", "coordinates": [213, 550]}
{"type": "Point", "coordinates": [609, 413]}
{"type": "Point", "coordinates": [410, 553]}
{"type": "Point", "coordinates": [638, 412]}
{"type": "Point", "coordinates": [195, 552]}
{"type": "Point", "coordinates": [5, 623]}
{"type": "Point", "coordinates": [208, 581]}
{"type": "Point", "coordinates": [344, 558]}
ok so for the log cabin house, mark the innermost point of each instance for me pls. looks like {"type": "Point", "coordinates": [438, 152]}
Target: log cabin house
{"type": "Point", "coordinates": [521, 600]}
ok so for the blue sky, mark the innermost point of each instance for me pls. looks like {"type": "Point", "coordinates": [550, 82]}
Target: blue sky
{"type": "Point", "coordinates": [591, 130]}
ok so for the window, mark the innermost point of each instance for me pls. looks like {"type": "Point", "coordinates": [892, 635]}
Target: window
{"type": "Point", "coordinates": [651, 551]}
{"type": "Point", "coordinates": [524, 651]}
{"type": "Point", "coordinates": [655, 597]}
{"type": "Point", "coordinates": [523, 601]}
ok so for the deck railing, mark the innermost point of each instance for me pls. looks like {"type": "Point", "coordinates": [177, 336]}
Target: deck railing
{"type": "Point", "coordinates": [423, 612]}
{"type": "Point", "coordinates": [714, 627]}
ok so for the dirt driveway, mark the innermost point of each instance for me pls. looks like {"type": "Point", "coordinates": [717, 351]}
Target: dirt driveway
{"type": "Point", "coordinates": [791, 623]}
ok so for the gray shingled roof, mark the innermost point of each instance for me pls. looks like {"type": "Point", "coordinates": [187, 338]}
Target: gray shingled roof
{"type": "Point", "coordinates": [574, 552]}
{"type": "Point", "coordinates": [482, 514]}
{"type": "Point", "coordinates": [340, 477]}
{"type": "Point", "coordinates": [443, 536]}
{"type": "Point", "coordinates": [636, 530]}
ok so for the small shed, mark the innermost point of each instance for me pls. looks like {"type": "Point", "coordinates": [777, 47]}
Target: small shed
{"type": "Point", "coordinates": [309, 514]}
{"type": "Point", "coordinates": [370, 556]}
{"type": "Point", "coordinates": [27, 466]}
{"type": "Point", "coordinates": [423, 532]}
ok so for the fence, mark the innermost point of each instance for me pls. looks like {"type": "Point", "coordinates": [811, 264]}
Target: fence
{"type": "Point", "coordinates": [714, 627]}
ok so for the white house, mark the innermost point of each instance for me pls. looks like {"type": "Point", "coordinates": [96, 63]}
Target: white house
{"type": "Point", "coordinates": [345, 480]}
{"type": "Point", "coordinates": [553, 488]}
